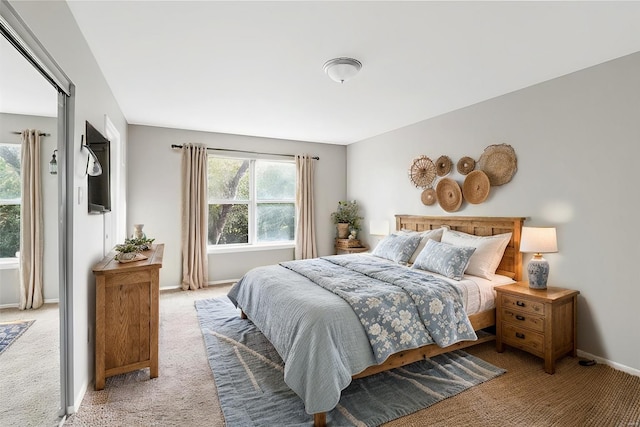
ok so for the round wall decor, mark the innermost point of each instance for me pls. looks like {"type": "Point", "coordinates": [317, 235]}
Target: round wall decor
{"type": "Point", "coordinates": [428, 196]}
{"type": "Point", "coordinates": [499, 163]}
{"type": "Point", "coordinates": [443, 165]}
{"type": "Point", "coordinates": [422, 172]}
{"type": "Point", "coordinates": [449, 194]}
{"type": "Point", "coordinates": [476, 187]}
{"type": "Point", "coordinates": [466, 165]}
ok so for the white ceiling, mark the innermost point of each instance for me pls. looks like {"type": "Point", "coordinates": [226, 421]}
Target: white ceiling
{"type": "Point", "coordinates": [255, 68]}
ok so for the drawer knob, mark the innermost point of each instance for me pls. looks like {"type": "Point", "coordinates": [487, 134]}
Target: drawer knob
{"type": "Point", "coordinates": [520, 335]}
{"type": "Point", "coordinates": [519, 317]}
{"type": "Point", "coordinates": [520, 303]}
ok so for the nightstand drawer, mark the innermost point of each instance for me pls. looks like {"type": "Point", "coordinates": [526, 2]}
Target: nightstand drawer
{"type": "Point", "coordinates": [522, 338]}
{"type": "Point", "coordinates": [522, 304]}
{"type": "Point", "coordinates": [523, 319]}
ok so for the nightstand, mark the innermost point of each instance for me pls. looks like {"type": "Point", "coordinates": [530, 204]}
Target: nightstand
{"type": "Point", "coordinates": [539, 321]}
{"type": "Point", "coordinates": [352, 250]}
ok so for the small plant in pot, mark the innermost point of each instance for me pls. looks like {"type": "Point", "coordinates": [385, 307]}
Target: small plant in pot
{"type": "Point", "coordinates": [346, 218]}
{"type": "Point", "coordinates": [126, 251]}
{"type": "Point", "coordinates": [143, 243]}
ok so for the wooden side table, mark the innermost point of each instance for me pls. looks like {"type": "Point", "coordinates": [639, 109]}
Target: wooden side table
{"type": "Point", "coordinates": [127, 315]}
{"type": "Point", "coordinates": [352, 250]}
{"type": "Point", "coordinates": [539, 321]}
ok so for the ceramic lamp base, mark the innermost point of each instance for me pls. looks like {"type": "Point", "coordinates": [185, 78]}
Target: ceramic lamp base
{"type": "Point", "coordinates": [538, 270]}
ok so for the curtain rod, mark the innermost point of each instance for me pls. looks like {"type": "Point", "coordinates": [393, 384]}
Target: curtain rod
{"type": "Point", "coordinates": [243, 151]}
{"type": "Point", "coordinates": [41, 133]}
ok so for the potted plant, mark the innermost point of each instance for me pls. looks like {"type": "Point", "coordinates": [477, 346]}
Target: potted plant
{"type": "Point", "coordinates": [143, 243]}
{"type": "Point", "coordinates": [126, 251]}
{"type": "Point", "coordinates": [346, 218]}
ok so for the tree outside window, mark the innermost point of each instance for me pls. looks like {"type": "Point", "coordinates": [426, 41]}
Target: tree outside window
{"type": "Point", "coordinates": [10, 189]}
{"type": "Point", "coordinates": [250, 201]}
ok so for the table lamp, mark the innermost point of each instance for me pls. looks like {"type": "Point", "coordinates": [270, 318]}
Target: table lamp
{"type": "Point", "coordinates": [538, 240]}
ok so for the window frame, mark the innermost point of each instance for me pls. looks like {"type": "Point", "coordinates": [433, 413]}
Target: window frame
{"type": "Point", "coordinates": [252, 203]}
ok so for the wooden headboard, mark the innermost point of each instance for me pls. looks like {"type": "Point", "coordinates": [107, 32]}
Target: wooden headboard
{"type": "Point", "coordinates": [511, 264]}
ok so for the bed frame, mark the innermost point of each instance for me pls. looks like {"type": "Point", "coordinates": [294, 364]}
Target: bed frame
{"type": "Point", "coordinates": [510, 265]}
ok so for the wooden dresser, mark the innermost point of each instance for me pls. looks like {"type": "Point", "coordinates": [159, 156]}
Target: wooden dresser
{"type": "Point", "coordinates": [127, 315]}
{"type": "Point", "coordinates": [539, 321]}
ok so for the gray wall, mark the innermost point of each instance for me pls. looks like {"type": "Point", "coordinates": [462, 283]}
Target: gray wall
{"type": "Point", "coordinates": [54, 26]}
{"type": "Point", "coordinates": [154, 194]}
{"type": "Point", "coordinates": [577, 139]}
{"type": "Point", "coordinates": [10, 280]}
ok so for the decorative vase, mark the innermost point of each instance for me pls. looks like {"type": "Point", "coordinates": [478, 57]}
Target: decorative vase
{"type": "Point", "coordinates": [538, 270]}
{"type": "Point", "coordinates": [137, 231]}
{"type": "Point", "coordinates": [343, 230]}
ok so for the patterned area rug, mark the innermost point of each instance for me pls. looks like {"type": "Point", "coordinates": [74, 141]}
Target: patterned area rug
{"type": "Point", "coordinates": [249, 375]}
{"type": "Point", "coordinates": [11, 331]}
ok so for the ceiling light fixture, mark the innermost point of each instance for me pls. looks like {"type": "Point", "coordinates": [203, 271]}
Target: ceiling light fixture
{"type": "Point", "coordinates": [342, 69]}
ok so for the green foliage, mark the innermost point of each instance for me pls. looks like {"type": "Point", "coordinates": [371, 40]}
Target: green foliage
{"type": "Point", "coordinates": [10, 190]}
{"type": "Point", "coordinates": [229, 194]}
{"type": "Point", "coordinates": [234, 228]}
{"type": "Point", "coordinates": [275, 180]}
{"type": "Point", "coordinates": [276, 222]}
{"type": "Point", "coordinates": [10, 187]}
{"type": "Point", "coordinates": [143, 243]}
{"type": "Point", "coordinates": [347, 213]}
{"type": "Point", "coordinates": [127, 247]}
{"type": "Point", "coordinates": [9, 230]}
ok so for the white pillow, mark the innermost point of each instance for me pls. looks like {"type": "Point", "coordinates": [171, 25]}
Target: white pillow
{"type": "Point", "coordinates": [435, 234]}
{"type": "Point", "coordinates": [489, 250]}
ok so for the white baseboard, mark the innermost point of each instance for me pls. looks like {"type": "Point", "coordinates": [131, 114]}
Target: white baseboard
{"type": "Point", "coordinates": [608, 362]}
{"type": "Point", "coordinates": [211, 283]}
{"type": "Point", "coordinates": [76, 404]}
{"type": "Point", "coordinates": [17, 304]}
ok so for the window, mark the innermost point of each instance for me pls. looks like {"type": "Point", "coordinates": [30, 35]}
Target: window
{"type": "Point", "coordinates": [251, 201]}
{"type": "Point", "coordinates": [10, 189]}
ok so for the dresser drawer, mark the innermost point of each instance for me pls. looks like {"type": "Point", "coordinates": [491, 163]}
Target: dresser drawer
{"type": "Point", "coordinates": [522, 338]}
{"type": "Point", "coordinates": [523, 319]}
{"type": "Point", "coordinates": [522, 304]}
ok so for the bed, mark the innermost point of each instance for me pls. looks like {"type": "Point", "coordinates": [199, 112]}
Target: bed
{"type": "Point", "coordinates": [322, 331]}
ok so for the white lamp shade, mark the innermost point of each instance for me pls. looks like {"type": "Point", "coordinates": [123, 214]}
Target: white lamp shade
{"type": "Point", "coordinates": [379, 227]}
{"type": "Point", "coordinates": [342, 69]}
{"type": "Point", "coordinates": [538, 240]}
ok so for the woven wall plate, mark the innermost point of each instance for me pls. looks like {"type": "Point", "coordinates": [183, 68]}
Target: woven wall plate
{"type": "Point", "coordinates": [443, 165]}
{"type": "Point", "coordinates": [499, 163]}
{"type": "Point", "coordinates": [428, 196]}
{"type": "Point", "coordinates": [422, 172]}
{"type": "Point", "coordinates": [466, 165]}
{"type": "Point", "coordinates": [449, 194]}
{"type": "Point", "coordinates": [476, 187]}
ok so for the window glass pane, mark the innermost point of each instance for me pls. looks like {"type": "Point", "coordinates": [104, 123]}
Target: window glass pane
{"type": "Point", "coordinates": [9, 230]}
{"type": "Point", "coordinates": [228, 179]}
{"type": "Point", "coordinates": [275, 180]}
{"type": "Point", "coordinates": [9, 174]}
{"type": "Point", "coordinates": [228, 223]}
{"type": "Point", "coordinates": [10, 189]}
{"type": "Point", "coordinates": [276, 222]}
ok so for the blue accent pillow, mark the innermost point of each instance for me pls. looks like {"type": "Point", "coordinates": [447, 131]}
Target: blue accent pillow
{"type": "Point", "coordinates": [443, 258]}
{"type": "Point", "coordinates": [397, 247]}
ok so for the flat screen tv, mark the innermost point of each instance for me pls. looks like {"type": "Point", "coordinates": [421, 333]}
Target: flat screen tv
{"type": "Point", "coordinates": [99, 187]}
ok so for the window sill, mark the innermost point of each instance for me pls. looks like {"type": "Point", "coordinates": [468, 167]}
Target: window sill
{"type": "Point", "coordinates": [9, 263]}
{"type": "Point", "coordinates": [228, 249]}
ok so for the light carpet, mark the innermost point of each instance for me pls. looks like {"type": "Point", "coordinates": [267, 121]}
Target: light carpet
{"type": "Point", "coordinates": [11, 331]}
{"type": "Point", "coordinates": [249, 375]}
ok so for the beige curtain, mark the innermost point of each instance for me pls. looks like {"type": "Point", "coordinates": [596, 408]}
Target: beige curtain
{"type": "Point", "coordinates": [31, 223]}
{"type": "Point", "coordinates": [305, 219]}
{"type": "Point", "coordinates": [195, 269]}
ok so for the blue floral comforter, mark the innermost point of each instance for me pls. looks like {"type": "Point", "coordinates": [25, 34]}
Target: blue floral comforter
{"type": "Point", "coordinates": [399, 308]}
